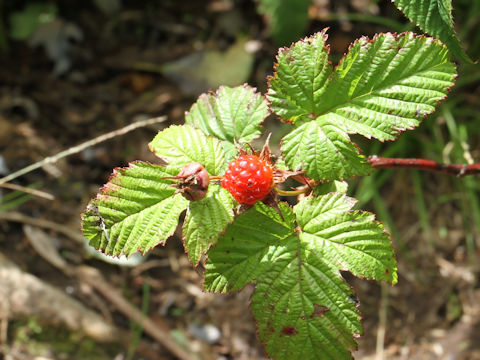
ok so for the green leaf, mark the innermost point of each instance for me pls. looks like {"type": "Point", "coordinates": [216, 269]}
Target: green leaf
{"type": "Point", "coordinates": [387, 85]}
{"type": "Point", "coordinates": [303, 307]}
{"type": "Point", "coordinates": [180, 145]}
{"type": "Point", "coordinates": [300, 79]}
{"type": "Point", "coordinates": [435, 18]}
{"type": "Point", "coordinates": [239, 254]}
{"type": "Point", "coordinates": [351, 240]}
{"type": "Point", "coordinates": [331, 186]}
{"type": "Point", "coordinates": [231, 151]}
{"type": "Point", "coordinates": [324, 151]}
{"type": "Point", "coordinates": [231, 114]}
{"type": "Point", "coordinates": [205, 220]}
{"type": "Point", "coordinates": [380, 88]}
{"type": "Point", "coordinates": [288, 19]}
{"type": "Point", "coordinates": [135, 211]}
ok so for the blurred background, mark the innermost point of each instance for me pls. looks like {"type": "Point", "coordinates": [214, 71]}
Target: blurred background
{"type": "Point", "coordinates": [73, 70]}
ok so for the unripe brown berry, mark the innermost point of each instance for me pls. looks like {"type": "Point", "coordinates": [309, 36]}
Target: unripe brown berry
{"type": "Point", "coordinates": [193, 181]}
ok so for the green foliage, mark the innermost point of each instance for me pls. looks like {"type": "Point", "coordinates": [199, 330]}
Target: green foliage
{"type": "Point", "coordinates": [383, 86]}
{"type": "Point", "coordinates": [324, 151]}
{"type": "Point", "coordinates": [180, 145]}
{"type": "Point", "coordinates": [138, 208]}
{"type": "Point", "coordinates": [205, 220]}
{"type": "Point", "coordinates": [301, 76]}
{"type": "Point", "coordinates": [302, 305]}
{"type": "Point", "coordinates": [294, 255]}
{"type": "Point", "coordinates": [287, 19]}
{"type": "Point", "coordinates": [351, 240]}
{"type": "Point", "coordinates": [231, 114]}
{"type": "Point", "coordinates": [135, 211]}
{"type": "Point", "coordinates": [14, 199]}
{"type": "Point", "coordinates": [435, 18]}
{"type": "Point", "coordinates": [243, 253]}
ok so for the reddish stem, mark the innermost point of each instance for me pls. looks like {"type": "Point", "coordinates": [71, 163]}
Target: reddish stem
{"type": "Point", "coordinates": [423, 164]}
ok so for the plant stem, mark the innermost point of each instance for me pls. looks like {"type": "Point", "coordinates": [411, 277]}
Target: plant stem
{"type": "Point", "coordinates": [292, 192]}
{"type": "Point", "coordinates": [423, 164]}
{"type": "Point", "coordinates": [28, 190]}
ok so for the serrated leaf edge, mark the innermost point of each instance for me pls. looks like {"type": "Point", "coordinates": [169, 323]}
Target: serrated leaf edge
{"type": "Point", "coordinates": [204, 253]}
{"type": "Point", "coordinates": [281, 50]}
{"type": "Point", "coordinates": [396, 36]}
{"type": "Point", "coordinates": [104, 191]}
{"type": "Point", "coordinates": [359, 152]}
{"type": "Point", "coordinates": [310, 117]}
{"type": "Point", "coordinates": [220, 166]}
{"type": "Point", "coordinates": [253, 282]}
{"type": "Point", "coordinates": [353, 202]}
{"type": "Point", "coordinates": [216, 95]}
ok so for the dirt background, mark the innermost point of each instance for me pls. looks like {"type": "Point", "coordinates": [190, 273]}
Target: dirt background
{"type": "Point", "coordinates": [93, 70]}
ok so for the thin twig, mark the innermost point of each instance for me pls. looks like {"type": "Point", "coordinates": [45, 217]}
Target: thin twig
{"type": "Point", "coordinates": [27, 190]}
{"type": "Point", "coordinates": [382, 323]}
{"type": "Point", "coordinates": [81, 147]}
{"type": "Point", "coordinates": [26, 295]}
{"type": "Point", "coordinates": [93, 278]}
{"type": "Point", "coordinates": [46, 224]}
{"type": "Point", "coordinates": [424, 164]}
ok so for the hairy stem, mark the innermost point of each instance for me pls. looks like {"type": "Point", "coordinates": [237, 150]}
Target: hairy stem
{"type": "Point", "coordinates": [424, 164]}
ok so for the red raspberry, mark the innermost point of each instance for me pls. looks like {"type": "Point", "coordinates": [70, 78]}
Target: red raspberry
{"type": "Point", "coordinates": [249, 179]}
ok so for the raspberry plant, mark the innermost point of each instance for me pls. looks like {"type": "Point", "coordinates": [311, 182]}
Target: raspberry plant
{"type": "Point", "coordinates": [303, 307]}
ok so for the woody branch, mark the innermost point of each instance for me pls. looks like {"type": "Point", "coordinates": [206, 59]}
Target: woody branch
{"type": "Point", "coordinates": [424, 164]}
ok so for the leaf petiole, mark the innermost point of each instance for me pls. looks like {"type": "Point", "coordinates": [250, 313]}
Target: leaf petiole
{"type": "Point", "coordinates": [292, 192]}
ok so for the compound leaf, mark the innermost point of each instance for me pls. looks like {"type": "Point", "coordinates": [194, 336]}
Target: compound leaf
{"type": "Point", "coordinates": [205, 220]}
{"type": "Point", "coordinates": [135, 211]}
{"type": "Point", "coordinates": [435, 18]}
{"type": "Point", "coordinates": [230, 114]}
{"type": "Point", "coordinates": [387, 85]}
{"type": "Point", "coordinates": [180, 145]}
{"type": "Point", "coordinates": [303, 307]}
{"type": "Point", "coordinates": [381, 87]}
